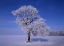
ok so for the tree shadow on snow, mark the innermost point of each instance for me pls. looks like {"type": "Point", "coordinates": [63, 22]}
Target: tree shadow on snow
{"type": "Point", "coordinates": [39, 39]}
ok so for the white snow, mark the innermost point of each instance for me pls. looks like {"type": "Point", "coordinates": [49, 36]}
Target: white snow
{"type": "Point", "coordinates": [21, 40]}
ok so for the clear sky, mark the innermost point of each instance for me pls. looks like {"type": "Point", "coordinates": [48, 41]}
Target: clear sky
{"type": "Point", "coordinates": [51, 10]}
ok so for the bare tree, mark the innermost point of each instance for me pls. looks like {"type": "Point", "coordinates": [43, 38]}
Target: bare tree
{"type": "Point", "coordinates": [30, 22]}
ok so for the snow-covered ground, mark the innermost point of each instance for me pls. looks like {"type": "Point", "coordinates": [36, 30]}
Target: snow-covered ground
{"type": "Point", "coordinates": [20, 40]}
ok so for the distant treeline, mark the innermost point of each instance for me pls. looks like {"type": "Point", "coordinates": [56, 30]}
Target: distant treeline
{"type": "Point", "coordinates": [56, 33]}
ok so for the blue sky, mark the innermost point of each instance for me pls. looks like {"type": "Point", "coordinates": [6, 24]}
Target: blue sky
{"type": "Point", "coordinates": [51, 10]}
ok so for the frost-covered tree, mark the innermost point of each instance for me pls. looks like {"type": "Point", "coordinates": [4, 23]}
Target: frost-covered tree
{"type": "Point", "coordinates": [56, 33]}
{"type": "Point", "coordinates": [30, 22]}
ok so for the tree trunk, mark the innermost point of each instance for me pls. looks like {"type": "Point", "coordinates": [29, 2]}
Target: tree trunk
{"type": "Point", "coordinates": [28, 36]}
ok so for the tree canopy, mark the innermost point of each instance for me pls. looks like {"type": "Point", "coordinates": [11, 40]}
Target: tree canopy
{"type": "Point", "coordinates": [28, 19]}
